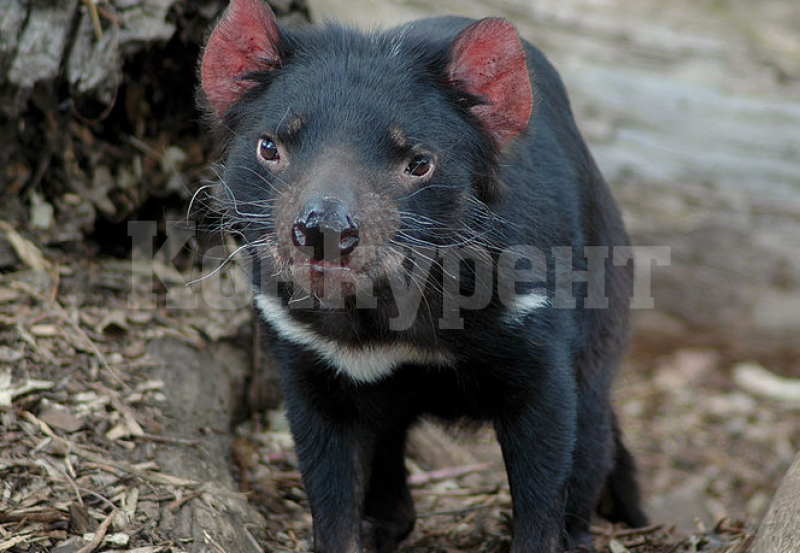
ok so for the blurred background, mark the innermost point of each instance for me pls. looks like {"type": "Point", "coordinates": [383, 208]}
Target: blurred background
{"type": "Point", "coordinates": [691, 108]}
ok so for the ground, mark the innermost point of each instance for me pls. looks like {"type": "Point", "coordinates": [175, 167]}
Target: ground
{"type": "Point", "coordinates": [84, 415]}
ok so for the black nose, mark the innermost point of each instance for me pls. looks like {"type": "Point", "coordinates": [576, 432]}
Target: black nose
{"type": "Point", "coordinates": [326, 225]}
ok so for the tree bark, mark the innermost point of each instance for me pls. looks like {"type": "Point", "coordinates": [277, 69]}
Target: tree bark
{"type": "Point", "coordinates": [97, 110]}
{"type": "Point", "coordinates": [780, 529]}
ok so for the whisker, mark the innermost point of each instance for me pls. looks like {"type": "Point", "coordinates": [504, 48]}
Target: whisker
{"type": "Point", "coordinates": [224, 263]}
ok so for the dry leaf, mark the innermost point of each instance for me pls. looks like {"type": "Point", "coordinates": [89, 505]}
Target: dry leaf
{"type": "Point", "coordinates": [63, 420]}
{"type": "Point", "coordinates": [26, 250]}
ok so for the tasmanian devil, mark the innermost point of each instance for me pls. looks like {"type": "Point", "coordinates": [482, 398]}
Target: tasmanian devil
{"type": "Point", "coordinates": [429, 236]}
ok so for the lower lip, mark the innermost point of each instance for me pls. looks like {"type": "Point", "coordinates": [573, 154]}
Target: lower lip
{"type": "Point", "coordinates": [326, 280]}
{"type": "Point", "coordinates": [322, 266]}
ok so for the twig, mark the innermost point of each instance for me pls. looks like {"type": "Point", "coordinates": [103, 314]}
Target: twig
{"type": "Point", "coordinates": [444, 474]}
{"type": "Point", "coordinates": [62, 314]}
{"type": "Point", "coordinates": [144, 147]}
{"type": "Point", "coordinates": [98, 496]}
{"type": "Point", "coordinates": [98, 29]}
{"type": "Point", "coordinates": [214, 545]}
{"type": "Point", "coordinates": [615, 533]}
{"type": "Point", "coordinates": [84, 453]}
{"type": "Point", "coordinates": [56, 276]}
{"type": "Point", "coordinates": [127, 413]}
{"type": "Point", "coordinates": [30, 386]}
{"type": "Point", "coordinates": [745, 545]}
{"type": "Point", "coordinates": [449, 512]}
{"type": "Point", "coordinates": [254, 542]}
{"type": "Point", "coordinates": [175, 505]}
{"type": "Point", "coordinates": [14, 540]}
{"type": "Point", "coordinates": [48, 515]}
{"type": "Point", "coordinates": [166, 439]}
{"type": "Point", "coordinates": [68, 479]}
{"type": "Point", "coordinates": [487, 490]}
{"type": "Point", "coordinates": [26, 337]}
{"type": "Point", "coordinates": [99, 534]}
{"type": "Point", "coordinates": [110, 15]}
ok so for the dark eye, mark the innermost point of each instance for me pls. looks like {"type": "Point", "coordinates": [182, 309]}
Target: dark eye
{"type": "Point", "coordinates": [268, 150]}
{"type": "Point", "coordinates": [419, 166]}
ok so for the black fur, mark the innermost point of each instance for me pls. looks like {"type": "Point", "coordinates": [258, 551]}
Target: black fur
{"type": "Point", "coordinates": [542, 382]}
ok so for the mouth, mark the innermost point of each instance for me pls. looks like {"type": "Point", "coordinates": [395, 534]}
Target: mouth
{"type": "Point", "coordinates": [322, 265]}
{"type": "Point", "coordinates": [328, 279]}
{"type": "Point", "coordinates": [361, 272]}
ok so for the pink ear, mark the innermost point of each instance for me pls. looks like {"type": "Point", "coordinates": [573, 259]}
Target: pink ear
{"type": "Point", "coordinates": [487, 61]}
{"type": "Point", "coordinates": [246, 39]}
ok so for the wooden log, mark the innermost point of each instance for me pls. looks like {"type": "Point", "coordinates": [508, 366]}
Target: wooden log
{"type": "Point", "coordinates": [42, 42]}
{"type": "Point", "coordinates": [203, 390]}
{"type": "Point", "coordinates": [780, 530]}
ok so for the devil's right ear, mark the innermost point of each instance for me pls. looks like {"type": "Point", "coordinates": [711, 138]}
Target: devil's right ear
{"type": "Point", "coordinates": [487, 60]}
{"type": "Point", "coordinates": [246, 39]}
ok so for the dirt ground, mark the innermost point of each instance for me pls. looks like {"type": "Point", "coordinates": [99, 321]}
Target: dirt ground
{"type": "Point", "coordinates": [82, 419]}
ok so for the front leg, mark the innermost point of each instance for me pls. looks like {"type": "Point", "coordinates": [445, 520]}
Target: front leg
{"type": "Point", "coordinates": [388, 509]}
{"type": "Point", "coordinates": [537, 431]}
{"type": "Point", "coordinates": [334, 452]}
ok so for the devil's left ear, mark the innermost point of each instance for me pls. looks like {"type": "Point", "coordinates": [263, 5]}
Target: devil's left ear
{"type": "Point", "coordinates": [245, 40]}
{"type": "Point", "coordinates": [487, 61]}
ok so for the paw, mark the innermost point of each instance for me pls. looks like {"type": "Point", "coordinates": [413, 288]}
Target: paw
{"type": "Point", "coordinates": [385, 536]}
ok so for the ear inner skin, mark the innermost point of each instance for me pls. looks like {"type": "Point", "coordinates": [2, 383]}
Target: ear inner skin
{"type": "Point", "coordinates": [487, 61]}
{"type": "Point", "coordinates": [245, 40]}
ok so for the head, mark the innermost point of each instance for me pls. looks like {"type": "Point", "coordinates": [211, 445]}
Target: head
{"type": "Point", "coordinates": [344, 149]}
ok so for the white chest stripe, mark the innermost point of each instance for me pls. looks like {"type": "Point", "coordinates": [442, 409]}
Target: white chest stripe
{"type": "Point", "coordinates": [524, 305]}
{"type": "Point", "coordinates": [364, 364]}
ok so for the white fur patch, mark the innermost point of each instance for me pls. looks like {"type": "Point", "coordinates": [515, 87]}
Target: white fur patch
{"type": "Point", "coordinates": [362, 364]}
{"type": "Point", "coordinates": [524, 305]}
